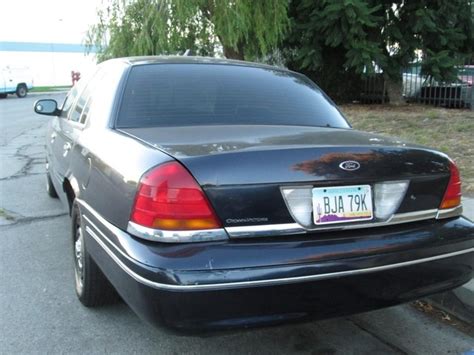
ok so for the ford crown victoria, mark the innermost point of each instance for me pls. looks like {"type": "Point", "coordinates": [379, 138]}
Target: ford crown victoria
{"type": "Point", "coordinates": [214, 194]}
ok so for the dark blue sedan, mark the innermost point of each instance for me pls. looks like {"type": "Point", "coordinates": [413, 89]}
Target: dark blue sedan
{"type": "Point", "coordinates": [214, 194]}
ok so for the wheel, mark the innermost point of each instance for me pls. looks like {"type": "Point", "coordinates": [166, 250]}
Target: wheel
{"type": "Point", "coordinates": [21, 90]}
{"type": "Point", "coordinates": [3, 96]}
{"type": "Point", "coordinates": [50, 187]}
{"type": "Point", "coordinates": [92, 287]}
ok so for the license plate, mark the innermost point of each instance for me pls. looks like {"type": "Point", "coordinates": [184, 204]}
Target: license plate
{"type": "Point", "coordinates": [342, 204]}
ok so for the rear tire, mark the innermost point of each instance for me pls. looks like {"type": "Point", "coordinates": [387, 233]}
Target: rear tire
{"type": "Point", "coordinates": [50, 187]}
{"type": "Point", "coordinates": [92, 287]}
{"type": "Point", "coordinates": [21, 90]}
{"type": "Point", "coordinates": [3, 96]}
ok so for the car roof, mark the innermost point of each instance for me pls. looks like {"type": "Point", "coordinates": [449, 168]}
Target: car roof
{"type": "Point", "coordinates": [144, 60]}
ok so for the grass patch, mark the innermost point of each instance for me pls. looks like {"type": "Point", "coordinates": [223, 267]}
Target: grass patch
{"type": "Point", "coordinates": [49, 88]}
{"type": "Point", "coordinates": [448, 130]}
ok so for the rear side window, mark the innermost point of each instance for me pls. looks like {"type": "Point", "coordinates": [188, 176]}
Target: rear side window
{"type": "Point", "coordinates": [85, 111]}
{"type": "Point", "coordinates": [76, 113]}
{"type": "Point", "coordinates": [68, 102]}
{"type": "Point", "coordinates": [213, 94]}
{"type": "Point", "coordinates": [81, 109]}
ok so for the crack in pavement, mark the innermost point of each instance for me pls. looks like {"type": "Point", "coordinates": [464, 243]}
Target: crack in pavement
{"type": "Point", "coordinates": [18, 176]}
{"type": "Point", "coordinates": [378, 337]}
{"type": "Point", "coordinates": [31, 219]}
{"type": "Point", "coordinates": [22, 156]}
{"type": "Point", "coordinates": [30, 161]}
{"type": "Point", "coordinates": [22, 133]}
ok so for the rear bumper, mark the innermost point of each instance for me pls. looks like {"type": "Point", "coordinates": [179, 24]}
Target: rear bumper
{"type": "Point", "coordinates": [224, 285]}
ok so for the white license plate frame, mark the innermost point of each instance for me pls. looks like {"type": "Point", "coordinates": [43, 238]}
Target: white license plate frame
{"type": "Point", "coordinates": [340, 207]}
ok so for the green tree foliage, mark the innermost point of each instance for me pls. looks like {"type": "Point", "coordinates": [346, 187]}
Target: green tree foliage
{"type": "Point", "coordinates": [332, 40]}
{"type": "Point", "coordinates": [242, 28]}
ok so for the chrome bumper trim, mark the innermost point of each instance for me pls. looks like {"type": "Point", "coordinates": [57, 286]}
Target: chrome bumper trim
{"type": "Point", "coordinates": [269, 282]}
{"type": "Point", "coordinates": [265, 230]}
{"type": "Point", "coordinates": [271, 230]}
{"type": "Point", "coordinates": [158, 235]}
{"type": "Point", "coordinates": [448, 213]}
{"type": "Point", "coordinates": [104, 243]}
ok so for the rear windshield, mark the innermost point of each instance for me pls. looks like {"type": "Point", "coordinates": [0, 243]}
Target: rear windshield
{"type": "Point", "coordinates": [214, 94]}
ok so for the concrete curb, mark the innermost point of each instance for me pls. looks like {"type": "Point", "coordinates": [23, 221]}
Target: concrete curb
{"type": "Point", "coordinates": [45, 93]}
{"type": "Point", "coordinates": [48, 92]}
{"type": "Point", "coordinates": [460, 301]}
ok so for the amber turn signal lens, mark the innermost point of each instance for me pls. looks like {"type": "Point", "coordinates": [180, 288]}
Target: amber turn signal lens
{"type": "Point", "coordinates": [169, 198]}
{"type": "Point", "coordinates": [185, 224]}
{"type": "Point", "coordinates": [452, 195]}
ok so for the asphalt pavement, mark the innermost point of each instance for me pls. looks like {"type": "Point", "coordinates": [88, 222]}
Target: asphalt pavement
{"type": "Point", "coordinates": [39, 312]}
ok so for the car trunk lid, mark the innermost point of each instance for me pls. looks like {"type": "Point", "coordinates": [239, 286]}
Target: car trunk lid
{"type": "Point", "coordinates": [239, 155]}
{"type": "Point", "coordinates": [244, 168]}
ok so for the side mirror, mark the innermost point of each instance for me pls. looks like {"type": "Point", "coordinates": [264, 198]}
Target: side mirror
{"type": "Point", "coordinates": [47, 107]}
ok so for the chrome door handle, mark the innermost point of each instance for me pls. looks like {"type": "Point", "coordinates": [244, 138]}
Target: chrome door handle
{"type": "Point", "coordinates": [67, 147]}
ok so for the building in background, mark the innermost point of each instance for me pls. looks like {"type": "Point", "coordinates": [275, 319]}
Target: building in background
{"type": "Point", "coordinates": [46, 36]}
{"type": "Point", "coordinates": [50, 64]}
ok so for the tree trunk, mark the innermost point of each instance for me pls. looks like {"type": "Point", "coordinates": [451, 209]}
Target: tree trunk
{"type": "Point", "coordinates": [231, 53]}
{"type": "Point", "coordinates": [394, 90]}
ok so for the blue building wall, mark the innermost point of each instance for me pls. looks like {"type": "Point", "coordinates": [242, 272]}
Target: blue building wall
{"type": "Point", "coordinates": [44, 47]}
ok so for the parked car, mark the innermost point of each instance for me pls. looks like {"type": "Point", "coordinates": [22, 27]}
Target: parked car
{"type": "Point", "coordinates": [449, 94]}
{"type": "Point", "coordinates": [427, 89]}
{"type": "Point", "coordinates": [214, 194]}
{"type": "Point", "coordinates": [412, 84]}
{"type": "Point", "coordinates": [15, 81]}
{"type": "Point", "coordinates": [466, 74]}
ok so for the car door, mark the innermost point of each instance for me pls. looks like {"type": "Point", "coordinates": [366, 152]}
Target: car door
{"type": "Point", "coordinates": [56, 139]}
{"type": "Point", "coordinates": [70, 129]}
{"type": "Point", "coordinates": [2, 82]}
{"type": "Point", "coordinates": [70, 159]}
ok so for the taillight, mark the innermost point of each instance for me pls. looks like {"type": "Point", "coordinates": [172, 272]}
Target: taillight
{"type": "Point", "coordinates": [452, 195]}
{"type": "Point", "coordinates": [169, 198]}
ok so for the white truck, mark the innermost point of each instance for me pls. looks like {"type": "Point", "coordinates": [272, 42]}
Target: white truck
{"type": "Point", "coordinates": [15, 81]}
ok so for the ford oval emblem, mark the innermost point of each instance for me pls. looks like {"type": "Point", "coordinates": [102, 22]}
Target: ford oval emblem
{"type": "Point", "coordinates": [349, 165]}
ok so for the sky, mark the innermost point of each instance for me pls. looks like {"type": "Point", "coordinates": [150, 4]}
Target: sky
{"type": "Point", "coordinates": [47, 21]}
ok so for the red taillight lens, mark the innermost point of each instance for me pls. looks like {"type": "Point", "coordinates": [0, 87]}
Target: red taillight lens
{"type": "Point", "coordinates": [452, 196]}
{"type": "Point", "coordinates": [169, 198]}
